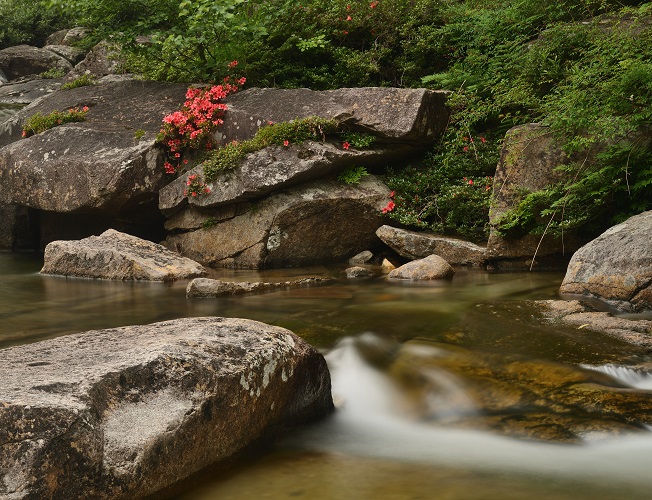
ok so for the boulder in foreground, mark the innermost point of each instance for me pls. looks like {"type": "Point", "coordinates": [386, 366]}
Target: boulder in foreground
{"type": "Point", "coordinates": [616, 267]}
{"type": "Point", "coordinates": [117, 256]}
{"type": "Point", "coordinates": [125, 412]}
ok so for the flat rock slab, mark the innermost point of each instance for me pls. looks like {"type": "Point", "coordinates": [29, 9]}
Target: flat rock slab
{"type": "Point", "coordinates": [432, 267]}
{"type": "Point", "coordinates": [414, 245]}
{"type": "Point", "coordinates": [125, 412]}
{"type": "Point", "coordinates": [270, 169]}
{"type": "Point", "coordinates": [25, 60]}
{"type": "Point", "coordinates": [117, 256]}
{"type": "Point", "coordinates": [616, 267]}
{"type": "Point", "coordinates": [206, 287]}
{"type": "Point", "coordinates": [576, 313]}
{"type": "Point", "coordinates": [416, 116]}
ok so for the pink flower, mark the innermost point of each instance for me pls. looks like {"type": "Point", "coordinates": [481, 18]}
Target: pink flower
{"type": "Point", "coordinates": [286, 143]}
{"type": "Point", "coordinates": [487, 188]}
{"type": "Point", "coordinates": [465, 149]}
{"type": "Point", "coordinates": [24, 133]}
{"type": "Point", "coordinates": [483, 140]}
{"type": "Point", "coordinates": [470, 182]}
{"type": "Point", "coordinates": [232, 64]}
{"type": "Point", "coordinates": [349, 18]}
{"type": "Point", "coordinates": [345, 32]}
{"type": "Point", "coordinates": [391, 195]}
{"type": "Point", "coordinates": [346, 145]}
{"type": "Point", "coordinates": [373, 5]}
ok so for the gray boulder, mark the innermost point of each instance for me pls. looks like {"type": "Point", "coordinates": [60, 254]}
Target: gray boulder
{"type": "Point", "coordinates": [95, 168]}
{"type": "Point", "coordinates": [616, 266]}
{"type": "Point", "coordinates": [267, 170]}
{"type": "Point", "coordinates": [73, 55]}
{"type": "Point", "coordinates": [24, 60]}
{"type": "Point", "coordinates": [408, 116]}
{"type": "Point", "coordinates": [103, 59]}
{"type": "Point", "coordinates": [527, 163]}
{"type": "Point", "coordinates": [117, 256]}
{"type": "Point", "coordinates": [414, 245]}
{"type": "Point", "coordinates": [126, 412]}
{"type": "Point", "coordinates": [432, 267]}
{"type": "Point", "coordinates": [210, 288]}
{"type": "Point", "coordinates": [322, 221]}
{"type": "Point", "coordinates": [364, 257]}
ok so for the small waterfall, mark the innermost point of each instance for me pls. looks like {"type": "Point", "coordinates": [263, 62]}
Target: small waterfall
{"type": "Point", "coordinates": [632, 377]}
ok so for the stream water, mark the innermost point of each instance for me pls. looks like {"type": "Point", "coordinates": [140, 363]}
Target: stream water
{"type": "Point", "coordinates": [388, 439]}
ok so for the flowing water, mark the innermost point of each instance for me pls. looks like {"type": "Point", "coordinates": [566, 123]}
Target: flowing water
{"type": "Point", "coordinates": [393, 436]}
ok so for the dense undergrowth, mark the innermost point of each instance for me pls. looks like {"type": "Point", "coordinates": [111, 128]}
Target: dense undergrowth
{"type": "Point", "coordinates": [581, 67]}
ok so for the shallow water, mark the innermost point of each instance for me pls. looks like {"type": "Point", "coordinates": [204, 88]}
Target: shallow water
{"type": "Point", "coordinates": [377, 444]}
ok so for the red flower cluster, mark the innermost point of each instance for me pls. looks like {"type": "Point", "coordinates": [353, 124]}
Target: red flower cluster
{"type": "Point", "coordinates": [346, 145]}
{"type": "Point", "coordinates": [195, 187]}
{"type": "Point", "coordinates": [390, 206]}
{"type": "Point", "coordinates": [193, 125]}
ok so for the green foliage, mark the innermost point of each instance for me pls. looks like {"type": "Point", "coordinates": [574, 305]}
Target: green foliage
{"type": "Point", "coordinates": [29, 22]}
{"type": "Point", "coordinates": [359, 140]}
{"type": "Point", "coordinates": [281, 134]}
{"type": "Point", "coordinates": [352, 175]}
{"type": "Point", "coordinates": [40, 123]}
{"type": "Point", "coordinates": [81, 81]}
{"type": "Point", "coordinates": [450, 192]}
{"type": "Point", "coordinates": [53, 73]}
{"type": "Point", "coordinates": [138, 134]}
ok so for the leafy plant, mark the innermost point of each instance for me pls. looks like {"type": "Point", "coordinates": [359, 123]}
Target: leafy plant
{"type": "Point", "coordinates": [53, 73]}
{"type": "Point", "coordinates": [81, 81]}
{"type": "Point", "coordinates": [40, 123]}
{"type": "Point", "coordinates": [359, 140]}
{"type": "Point", "coordinates": [195, 186]}
{"type": "Point", "coordinates": [138, 134]}
{"type": "Point", "coordinates": [352, 175]}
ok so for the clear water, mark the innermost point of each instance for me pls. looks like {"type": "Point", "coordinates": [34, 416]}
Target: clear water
{"type": "Point", "coordinates": [374, 446]}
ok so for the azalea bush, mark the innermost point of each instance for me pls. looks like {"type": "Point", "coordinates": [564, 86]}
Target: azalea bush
{"type": "Point", "coordinates": [40, 123]}
{"type": "Point", "coordinates": [195, 186]}
{"type": "Point", "coordinates": [192, 126]}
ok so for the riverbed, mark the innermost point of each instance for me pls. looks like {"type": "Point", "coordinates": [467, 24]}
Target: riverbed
{"type": "Point", "coordinates": [393, 436]}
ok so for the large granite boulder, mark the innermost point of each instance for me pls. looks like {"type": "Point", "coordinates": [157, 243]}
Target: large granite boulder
{"type": "Point", "coordinates": [432, 267]}
{"type": "Point", "coordinates": [270, 169]}
{"type": "Point", "coordinates": [408, 116]}
{"type": "Point", "coordinates": [616, 266]}
{"type": "Point", "coordinates": [97, 168]}
{"type": "Point", "coordinates": [125, 412]}
{"type": "Point", "coordinates": [73, 55]}
{"type": "Point", "coordinates": [24, 60]}
{"type": "Point", "coordinates": [322, 221]}
{"type": "Point", "coordinates": [117, 256]}
{"type": "Point", "coordinates": [414, 245]}
{"type": "Point", "coordinates": [527, 164]}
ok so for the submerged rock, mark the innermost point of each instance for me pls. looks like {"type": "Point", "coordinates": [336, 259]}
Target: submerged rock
{"type": "Point", "coordinates": [117, 256]}
{"type": "Point", "coordinates": [516, 395]}
{"type": "Point", "coordinates": [432, 267]}
{"type": "Point", "coordinates": [414, 245]}
{"type": "Point", "coordinates": [205, 287]}
{"type": "Point", "coordinates": [616, 267]}
{"type": "Point", "coordinates": [126, 412]}
{"type": "Point", "coordinates": [359, 272]}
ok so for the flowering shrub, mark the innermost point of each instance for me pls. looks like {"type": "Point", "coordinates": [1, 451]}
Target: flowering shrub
{"type": "Point", "coordinates": [40, 123]}
{"type": "Point", "coordinates": [195, 186]}
{"type": "Point", "coordinates": [193, 125]}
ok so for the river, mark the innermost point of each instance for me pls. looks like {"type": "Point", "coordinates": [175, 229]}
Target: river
{"type": "Point", "coordinates": [388, 439]}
